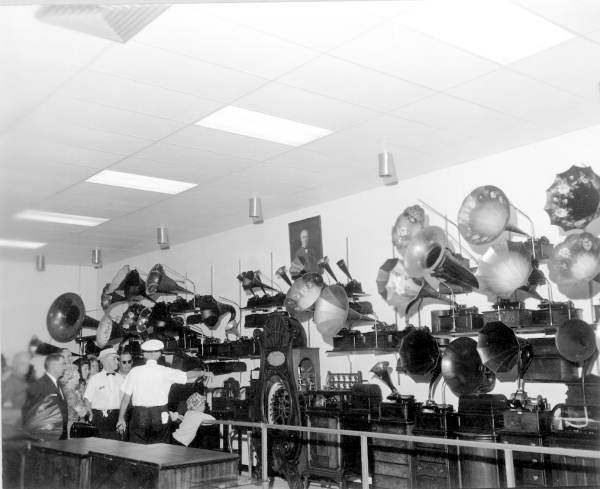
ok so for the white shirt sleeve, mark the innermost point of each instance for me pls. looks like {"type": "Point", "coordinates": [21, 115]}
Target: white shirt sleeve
{"type": "Point", "coordinates": [90, 389]}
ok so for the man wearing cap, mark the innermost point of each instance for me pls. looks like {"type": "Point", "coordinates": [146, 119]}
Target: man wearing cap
{"type": "Point", "coordinates": [103, 395]}
{"type": "Point", "coordinates": [147, 386]}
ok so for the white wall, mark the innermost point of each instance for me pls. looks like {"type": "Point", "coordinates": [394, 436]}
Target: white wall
{"type": "Point", "coordinates": [366, 220]}
{"type": "Point", "coordinates": [27, 295]}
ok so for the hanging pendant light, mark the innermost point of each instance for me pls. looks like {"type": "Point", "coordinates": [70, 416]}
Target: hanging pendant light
{"type": "Point", "coordinates": [255, 210]}
{"type": "Point", "coordinates": [387, 170]}
{"type": "Point", "coordinates": [97, 258]}
{"type": "Point", "coordinates": [162, 238]}
{"type": "Point", "coordinates": [40, 263]}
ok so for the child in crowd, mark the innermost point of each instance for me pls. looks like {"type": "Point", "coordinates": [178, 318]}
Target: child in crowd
{"type": "Point", "coordinates": [194, 417]}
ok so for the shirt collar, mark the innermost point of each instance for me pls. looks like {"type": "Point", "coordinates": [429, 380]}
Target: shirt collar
{"type": "Point", "coordinates": [52, 379]}
{"type": "Point", "coordinates": [151, 362]}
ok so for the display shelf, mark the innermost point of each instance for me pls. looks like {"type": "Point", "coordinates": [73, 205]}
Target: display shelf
{"type": "Point", "coordinates": [525, 330]}
{"type": "Point", "coordinates": [371, 351]}
{"type": "Point", "coordinates": [227, 358]}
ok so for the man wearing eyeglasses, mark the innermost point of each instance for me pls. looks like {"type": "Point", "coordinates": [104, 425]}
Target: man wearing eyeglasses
{"type": "Point", "coordinates": [125, 363]}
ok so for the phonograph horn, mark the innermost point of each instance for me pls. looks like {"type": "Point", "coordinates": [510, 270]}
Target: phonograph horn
{"type": "Point", "coordinates": [281, 272]}
{"type": "Point", "coordinates": [344, 268]}
{"type": "Point", "coordinates": [484, 215]}
{"type": "Point", "coordinates": [380, 369]}
{"type": "Point", "coordinates": [159, 283]}
{"type": "Point", "coordinates": [575, 341]}
{"type": "Point", "coordinates": [233, 328]}
{"type": "Point", "coordinates": [463, 369]}
{"type": "Point", "coordinates": [576, 259]}
{"type": "Point", "coordinates": [428, 292]}
{"type": "Point", "coordinates": [303, 293]}
{"type": "Point", "coordinates": [38, 347]}
{"type": "Point", "coordinates": [324, 265]}
{"type": "Point", "coordinates": [213, 313]}
{"type": "Point", "coordinates": [501, 349]}
{"type": "Point", "coordinates": [251, 280]}
{"type": "Point", "coordinates": [107, 331]}
{"type": "Point", "coordinates": [66, 317]}
{"type": "Point", "coordinates": [503, 272]}
{"type": "Point", "coordinates": [428, 253]}
{"type": "Point", "coordinates": [332, 311]}
{"type": "Point", "coordinates": [420, 355]}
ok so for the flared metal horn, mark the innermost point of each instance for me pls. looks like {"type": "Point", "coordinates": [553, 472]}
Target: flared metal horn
{"type": "Point", "coordinates": [428, 253]}
{"type": "Point", "coordinates": [159, 283]}
{"type": "Point", "coordinates": [66, 317]}
{"type": "Point", "coordinates": [427, 292]}
{"type": "Point", "coordinates": [344, 268]}
{"type": "Point", "coordinates": [281, 272]}
{"type": "Point", "coordinates": [303, 293]}
{"type": "Point", "coordinates": [575, 341]}
{"type": "Point", "coordinates": [463, 369]}
{"type": "Point", "coordinates": [324, 265]}
{"type": "Point", "coordinates": [484, 215]}
{"type": "Point", "coordinates": [380, 369]}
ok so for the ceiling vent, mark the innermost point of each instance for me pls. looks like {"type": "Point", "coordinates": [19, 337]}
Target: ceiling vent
{"type": "Point", "coordinates": [114, 22]}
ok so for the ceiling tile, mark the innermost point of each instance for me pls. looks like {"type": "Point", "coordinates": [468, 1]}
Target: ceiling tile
{"type": "Point", "coordinates": [317, 25]}
{"type": "Point", "coordinates": [185, 159]}
{"type": "Point", "coordinates": [16, 147]}
{"type": "Point", "coordinates": [573, 66]}
{"type": "Point", "coordinates": [301, 106]}
{"type": "Point", "coordinates": [176, 72]}
{"type": "Point", "coordinates": [226, 143]}
{"type": "Point", "coordinates": [413, 57]}
{"type": "Point", "coordinates": [122, 93]}
{"type": "Point", "coordinates": [581, 16]}
{"type": "Point", "coordinates": [329, 76]}
{"type": "Point", "coordinates": [191, 30]}
{"type": "Point", "coordinates": [523, 97]}
{"type": "Point", "coordinates": [450, 113]}
{"type": "Point", "coordinates": [101, 117]}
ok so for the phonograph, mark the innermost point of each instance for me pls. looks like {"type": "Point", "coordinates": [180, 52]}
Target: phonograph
{"type": "Point", "coordinates": [251, 281]}
{"type": "Point", "coordinates": [502, 350]}
{"type": "Point", "coordinates": [421, 356]}
{"type": "Point", "coordinates": [402, 407]}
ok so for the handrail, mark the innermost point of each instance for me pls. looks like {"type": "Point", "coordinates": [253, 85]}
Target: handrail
{"type": "Point", "coordinates": [507, 448]}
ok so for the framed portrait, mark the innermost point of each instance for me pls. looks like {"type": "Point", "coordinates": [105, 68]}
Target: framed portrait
{"type": "Point", "coordinates": [306, 245]}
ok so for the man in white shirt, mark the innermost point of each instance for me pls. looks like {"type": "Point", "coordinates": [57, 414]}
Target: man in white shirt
{"type": "Point", "coordinates": [147, 386]}
{"type": "Point", "coordinates": [103, 395]}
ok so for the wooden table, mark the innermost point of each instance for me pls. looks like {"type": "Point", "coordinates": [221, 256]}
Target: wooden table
{"type": "Point", "coordinates": [159, 466]}
{"type": "Point", "coordinates": [98, 463]}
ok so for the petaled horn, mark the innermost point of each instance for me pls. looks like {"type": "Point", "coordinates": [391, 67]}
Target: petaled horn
{"type": "Point", "coordinates": [484, 215]}
{"type": "Point", "coordinates": [324, 264]}
{"type": "Point", "coordinates": [344, 268]}
{"type": "Point", "coordinates": [281, 272]}
{"type": "Point", "coordinates": [463, 369]}
{"type": "Point", "coordinates": [502, 272]}
{"type": "Point", "coordinates": [66, 317]}
{"type": "Point", "coordinates": [501, 349]}
{"type": "Point", "coordinates": [331, 310]}
{"type": "Point", "coordinates": [380, 369]}
{"type": "Point", "coordinates": [419, 352]}
{"type": "Point", "coordinates": [158, 282]}
{"type": "Point", "coordinates": [428, 253]}
{"type": "Point", "coordinates": [107, 330]}
{"type": "Point", "coordinates": [576, 259]}
{"type": "Point", "coordinates": [303, 293]}
{"type": "Point", "coordinates": [575, 341]}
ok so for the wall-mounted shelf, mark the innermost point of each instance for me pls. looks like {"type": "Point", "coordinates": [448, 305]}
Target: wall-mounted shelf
{"type": "Point", "coordinates": [371, 351]}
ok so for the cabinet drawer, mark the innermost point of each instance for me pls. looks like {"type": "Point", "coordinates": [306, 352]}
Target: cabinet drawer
{"type": "Point", "coordinates": [392, 456]}
{"type": "Point", "coordinates": [387, 482]}
{"type": "Point", "coordinates": [533, 477]}
{"type": "Point", "coordinates": [424, 467]}
{"type": "Point", "coordinates": [391, 469]}
{"type": "Point", "coordinates": [425, 482]}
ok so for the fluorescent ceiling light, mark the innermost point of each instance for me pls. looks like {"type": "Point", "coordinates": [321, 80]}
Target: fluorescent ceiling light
{"type": "Point", "coordinates": [140, 182]}
{"type": "Point", "coordinates": [262, 126]}
{"type": "Point", "coordinates": [33, 215]}
{"type": "Point", "coordinates": [496, 29]}
{"type": "Point", "coordinates": [15, 243]}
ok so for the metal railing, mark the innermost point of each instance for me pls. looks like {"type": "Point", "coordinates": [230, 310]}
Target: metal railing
{"type": "Point", "coordinates": [507, 448]}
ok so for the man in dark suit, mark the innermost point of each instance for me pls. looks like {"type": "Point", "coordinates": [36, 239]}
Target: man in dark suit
{"type": "Point", "coordinates": [55, 366]}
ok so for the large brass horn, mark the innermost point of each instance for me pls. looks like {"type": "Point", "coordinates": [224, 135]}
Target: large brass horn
{"type": "Point", "coordinates": [380, 369]}
{"type": "Point", "coordinates": [66, 317]}
{"type": "Point", "coordinates": [159, 283]}
{"type": "Point", "coordinates": [324, 265]}
{"type": "Point", "coordinates": [281, 272]}
{"type": "Point", "coordinates": [484, 215]}
{"type": "Point", "coordinates": [463, 369]}
{"type": "Point", "coordinates": [428, 253]}
{"type": "Point", "coordinates": [303, 293]}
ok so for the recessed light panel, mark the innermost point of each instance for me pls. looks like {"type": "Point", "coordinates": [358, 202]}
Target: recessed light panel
{"type": "Point", "coordinates": [140, 182]}
{"type": "Point", "coordinates": [496, 29]}
{"type": "Point", "coordinates": [57, 217]}
{"type": "Point", "coordinates": [262, 126]}
{"type": "Point", "coordinates": [16, 243]}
